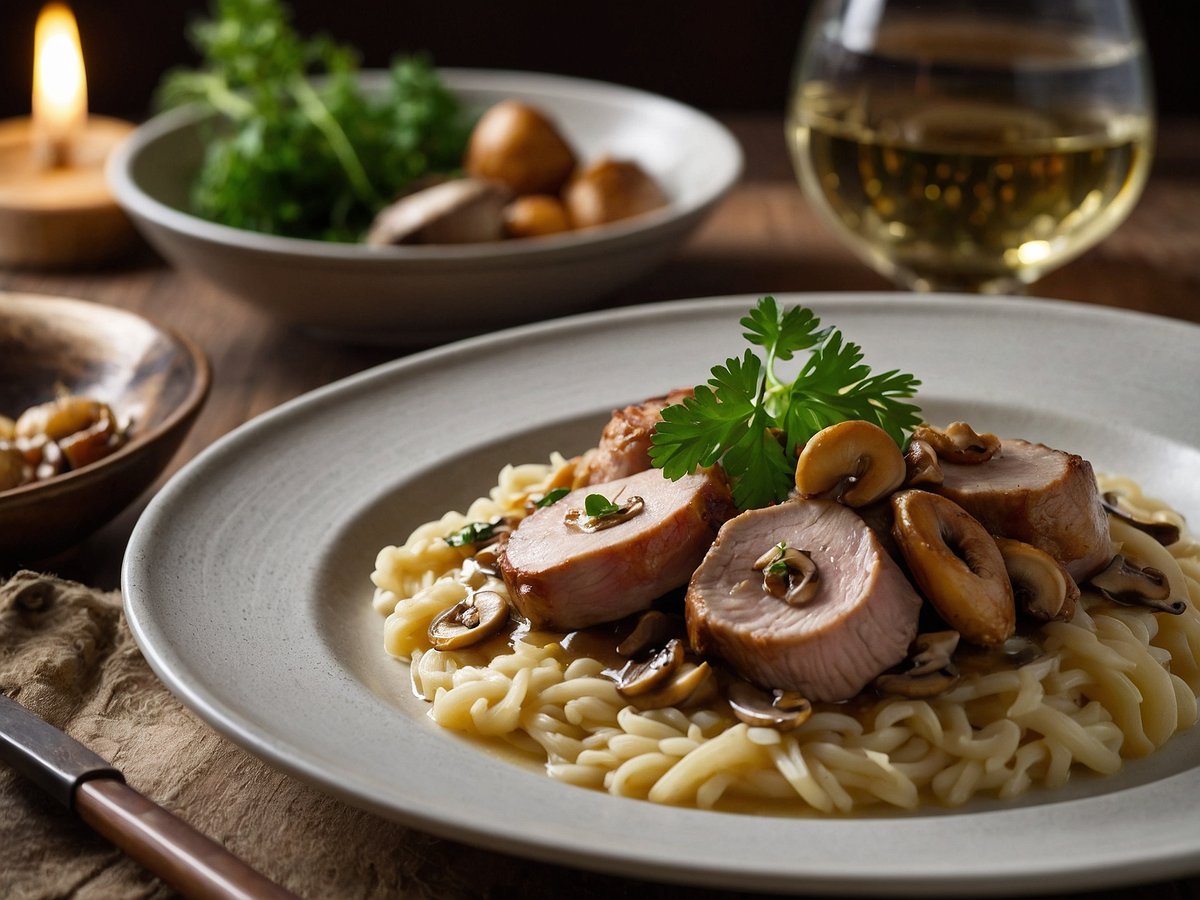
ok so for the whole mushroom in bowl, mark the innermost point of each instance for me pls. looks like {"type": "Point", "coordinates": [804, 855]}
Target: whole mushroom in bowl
{"type": "Point", "coordinates": [523, 180]}
{"type": "Point", "coordinates": [99, 401]}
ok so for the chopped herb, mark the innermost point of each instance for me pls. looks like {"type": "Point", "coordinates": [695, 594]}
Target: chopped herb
{"type": "Point", "coordinates": [475, 533]}
{"type": "Point", "coordinates": [753, 421]}
{"type": "Point", "coordinates": [597, 506]}
{"type": "Point", "coordinates": [552, 497]}
{"type": "Point", "coordinates": [599, 513]}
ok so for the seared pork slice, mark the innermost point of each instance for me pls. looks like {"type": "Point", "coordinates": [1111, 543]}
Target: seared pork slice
{"type": "Point", "coordinates": [624, 447]}
{"type": "Point", "coordinates": [1039, 495]}
{"type": "Point", "coordinates": [860, 621]}
{"type": "Point", "coordinates": [563, 578]}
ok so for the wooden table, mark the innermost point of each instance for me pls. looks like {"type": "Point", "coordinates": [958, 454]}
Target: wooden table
{"type": "Point", "coordinates": [762, 239]}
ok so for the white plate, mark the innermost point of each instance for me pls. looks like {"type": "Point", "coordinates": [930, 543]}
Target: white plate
{"type": "Point", "coordinates": [246, 584]}
{"type": "Point", "coordinates": [427, 292]}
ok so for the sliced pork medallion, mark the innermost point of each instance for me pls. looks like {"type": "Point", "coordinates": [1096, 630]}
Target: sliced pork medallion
{"type": "Point", "coordinates": [1039, 495]}
{"type": "Point", "coordinates": [624, 447]}
{"type": "Point", "coordinates": [563, 576]}
{"type": "Point", "coordinates": [859, 621]}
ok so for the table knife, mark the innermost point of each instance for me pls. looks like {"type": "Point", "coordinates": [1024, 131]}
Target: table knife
{"type": "Point", "coordinates": [83, 781]}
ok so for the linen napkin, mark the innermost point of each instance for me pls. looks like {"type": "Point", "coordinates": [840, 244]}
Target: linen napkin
{"type": "Point", "coordinates": [67, 654]}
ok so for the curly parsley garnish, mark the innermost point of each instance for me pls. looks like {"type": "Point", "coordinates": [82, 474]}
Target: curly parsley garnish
{"type": "Point", "coordinates": [753, 421]}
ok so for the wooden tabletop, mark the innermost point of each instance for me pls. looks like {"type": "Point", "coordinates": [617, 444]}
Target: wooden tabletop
{"type": "Point", "coordinates": [762, 239]}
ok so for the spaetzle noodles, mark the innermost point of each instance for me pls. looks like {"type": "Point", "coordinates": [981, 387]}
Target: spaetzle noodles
{"type": "Point", "coordinates": [1110, 684]}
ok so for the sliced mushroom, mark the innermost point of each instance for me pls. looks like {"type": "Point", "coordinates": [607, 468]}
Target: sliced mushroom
{"type": "Point", "coordinates": [1166, 533]}
{"type": "Point", "coordinates": [581, 520]}
{"type": "Point", "coordinates": [468, 622]}
{"type": "Point", "coordinates": [783, 710]}
{"type": "Point", "coordinates": [1041, 586]}
{"type": "Point", "coordinates": [853, 462]}
{"type": "Point", "coordinates": [461, 211]}
{"type": "Point", "coordinates": [929, 669]}
{"type": "Point", "coordinates": [1132, 585]}
{"type": "Point", "coordinates": [921, 464]}
{"type": "Point", "coordinates": [643, 677]}
{"type": "Point", "coordinates": [654, 628]}
{"type": "Point", "coordinates": [957, 566]}
{"type": "Point", "coordinates": [958, 442]}
{"type": "Point", "coordinates": [789, 574]}
{"type": "Point", "coordinates": [688, 684]}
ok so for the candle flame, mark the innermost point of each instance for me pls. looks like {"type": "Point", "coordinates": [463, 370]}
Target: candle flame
{"type": "Point", "coordinates": [59, 83]}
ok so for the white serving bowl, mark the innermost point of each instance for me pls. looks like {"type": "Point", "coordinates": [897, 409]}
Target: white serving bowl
{"type": "Point", "coordinates": [427, 293]}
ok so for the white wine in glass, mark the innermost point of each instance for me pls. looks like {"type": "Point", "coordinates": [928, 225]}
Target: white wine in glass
{"type": "Point", "coordinates": [971, 145]}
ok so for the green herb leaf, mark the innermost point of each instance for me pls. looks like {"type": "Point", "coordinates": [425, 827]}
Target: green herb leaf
{"type": "Point", "coordinates": [290, 154]}
{"type": "Point", "coordinates": [551, 497]}
{"type": "Point", "coordinates": [597, 506]}
{"type": "Point", "coordinates": [752, 421]}
{"type": "Point", "coordinates": [475, 533]}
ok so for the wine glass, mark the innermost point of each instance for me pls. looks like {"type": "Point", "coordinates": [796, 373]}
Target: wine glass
{"type": "Point", "coordinates": [971, 145]}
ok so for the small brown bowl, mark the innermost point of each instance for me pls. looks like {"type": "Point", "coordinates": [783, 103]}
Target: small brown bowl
{"type": "Point", "coordinates": [151, 376]}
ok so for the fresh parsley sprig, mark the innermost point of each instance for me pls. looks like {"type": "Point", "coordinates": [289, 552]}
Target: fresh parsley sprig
{"type": "Point", "coordinates": [295, 145]}
{"type": "Point", "coordinates": [753, 421]}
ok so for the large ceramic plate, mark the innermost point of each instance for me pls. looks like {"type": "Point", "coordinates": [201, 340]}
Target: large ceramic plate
{"type": "Point", "coordinates": [247, 586]}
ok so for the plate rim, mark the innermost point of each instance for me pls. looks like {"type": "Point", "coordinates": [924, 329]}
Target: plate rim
{"type": "Point", "coordinates": [1165, 861]}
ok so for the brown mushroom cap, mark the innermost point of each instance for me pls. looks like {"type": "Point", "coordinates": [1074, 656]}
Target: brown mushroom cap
{"type": "Point", "coordinates": [610, 190]}
{"type": "Point", "coordinates": [519, 147]}
{"type": "Point", "coordinates": [857, 461]}
{"type": "Point", "coordinates": [535, 215]}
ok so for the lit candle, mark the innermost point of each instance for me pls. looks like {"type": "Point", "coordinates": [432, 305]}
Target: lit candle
{"type": "Point", "coordinates": [59, 85]}
{"type": "Point", "coordinates": [55, 208]}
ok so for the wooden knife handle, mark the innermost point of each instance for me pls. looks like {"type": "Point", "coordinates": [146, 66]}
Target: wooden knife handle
{"type": "Point", "coordinates": [193, 864]}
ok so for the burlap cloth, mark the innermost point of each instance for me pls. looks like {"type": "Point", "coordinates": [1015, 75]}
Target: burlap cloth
{"type": "Point", "coordinates": [67, 654]}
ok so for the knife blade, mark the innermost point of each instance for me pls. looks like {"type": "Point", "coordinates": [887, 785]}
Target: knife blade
{"type": "Point", "coordinates": [85, 782]}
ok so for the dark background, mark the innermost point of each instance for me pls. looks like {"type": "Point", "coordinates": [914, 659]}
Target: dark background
{"type": "Point", "coordinates": [715, 54]}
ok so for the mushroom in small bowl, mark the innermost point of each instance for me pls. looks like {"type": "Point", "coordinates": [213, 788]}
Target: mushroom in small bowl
{"type": "Point", "coordinates": [94, 402]}
{"type": "Point", "coordinates": [411, 285]}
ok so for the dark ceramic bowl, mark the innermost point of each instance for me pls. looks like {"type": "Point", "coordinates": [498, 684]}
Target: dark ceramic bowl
{"type": "Point", "coordinates": [156, 379]}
